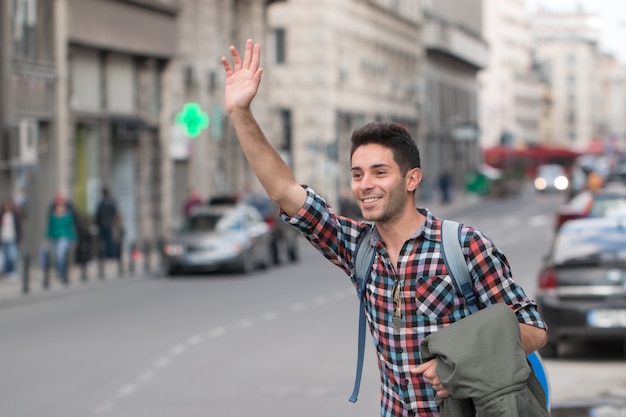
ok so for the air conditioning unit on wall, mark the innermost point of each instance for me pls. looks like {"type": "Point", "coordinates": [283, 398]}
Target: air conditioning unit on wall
{"type": "Point", "coordinates": [28, 140]}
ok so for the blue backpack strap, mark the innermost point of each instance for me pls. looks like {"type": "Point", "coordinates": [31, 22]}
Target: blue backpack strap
{"type": "Point", "coordinates": [456, 263]}
{"type": "Point", "coordinates": [363, 260]}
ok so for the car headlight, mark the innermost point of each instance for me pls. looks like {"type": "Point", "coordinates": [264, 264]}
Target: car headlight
{"type": "Point", "coordinates": [540, 183]}
{"type": "Point", "coordinates": [561, 183]}
{"type": "Point", "coordinates": [173, 249]}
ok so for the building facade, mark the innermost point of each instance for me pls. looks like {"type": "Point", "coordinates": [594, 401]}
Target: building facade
{"type": "Point", "coordinates": [85, 82]}
{"type": "Point", "coordinates": [511, 89]}
{"type": "Point", "coordinates": [333, 66]}
{"type": "Point", "coordinates": [455, 52]}
{"type": "Point", "coordinates": [588, 100]}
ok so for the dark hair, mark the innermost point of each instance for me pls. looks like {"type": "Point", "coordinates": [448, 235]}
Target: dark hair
{"type": "Point", "coordinates": [390, 135]}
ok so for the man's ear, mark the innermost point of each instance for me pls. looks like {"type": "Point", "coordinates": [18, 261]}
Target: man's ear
{"type": "Point", "coordinates": [413, 179]}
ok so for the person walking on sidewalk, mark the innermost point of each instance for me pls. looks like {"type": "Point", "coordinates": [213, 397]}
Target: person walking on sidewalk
{"type": "Point", "coordinates": [10, 237]}
{"type": "Point", "coordinates": [409, 293]}
{"type": "Point", "coordinates": [61, 232]}
{"type": "Point", "coordinates": [107, 219]}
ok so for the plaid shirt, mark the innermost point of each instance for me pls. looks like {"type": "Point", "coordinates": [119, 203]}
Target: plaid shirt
{"type": "Point", "coordinates": [429, 299]}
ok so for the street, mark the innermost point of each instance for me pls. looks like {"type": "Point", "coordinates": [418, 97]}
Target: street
{"type": "Point", "coordinates": [278, 343]}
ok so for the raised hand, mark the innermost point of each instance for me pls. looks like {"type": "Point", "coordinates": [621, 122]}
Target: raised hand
{"type": "Point", "coordinates": [243, 77]}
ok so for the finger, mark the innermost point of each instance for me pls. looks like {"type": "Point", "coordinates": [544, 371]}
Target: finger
{"type": "Point", "coordinates": [419, 369]}
{"type": "Point", "coordinates": [236, 58]}
{"type": "Point", "coordinates": [227, 67]}
{"type": "Point", "coordinates": [256, 57]}
{"type": "Point", "coordinates": [247, 56]}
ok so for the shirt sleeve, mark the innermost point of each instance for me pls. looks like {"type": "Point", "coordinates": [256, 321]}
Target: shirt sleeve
{"type": "Point", "coordinates": [332, 235]}
{"type": "Point", "coordinates": [493, 279]}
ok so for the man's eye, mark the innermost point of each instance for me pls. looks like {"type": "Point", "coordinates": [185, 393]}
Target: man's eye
{"type": "Point", "coordinates": [381, 172]}
{"type": "Point", "coordinates": [356, 175]}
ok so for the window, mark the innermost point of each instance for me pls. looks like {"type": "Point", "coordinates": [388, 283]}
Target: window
{"type": "Point", "coordinates": [24, 28]}
{"type": "Point", "coordinates": [279, 38]}
{"type": "Point", "coordinates": [285, 122]}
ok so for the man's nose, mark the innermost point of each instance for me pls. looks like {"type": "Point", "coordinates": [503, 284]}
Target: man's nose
{"type": "Point", "coordinates": [367, 182]}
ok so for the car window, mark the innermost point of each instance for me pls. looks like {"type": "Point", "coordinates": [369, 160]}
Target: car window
{"type": "Point", "coordinates": [550, 170]}
{"type": "Point", "coordinates": [200, 223]}
{"type": "Point", "coordinates": [596, 243]}
{"type": "Point", "coordinates": [608, 206]}
{"type": "Point", "coordinates": [211, 222]}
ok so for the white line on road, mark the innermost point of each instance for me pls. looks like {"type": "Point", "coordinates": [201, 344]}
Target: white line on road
{"type": "Point", "coordinates": [194, 340]}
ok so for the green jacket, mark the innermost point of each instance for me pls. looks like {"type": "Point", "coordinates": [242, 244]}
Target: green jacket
{"type": "Point", "coordinates": [481, 362]}
{"type": "Point", "coordinates": [61, 226]}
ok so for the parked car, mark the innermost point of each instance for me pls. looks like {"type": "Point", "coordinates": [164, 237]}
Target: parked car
{"type": "Point", "coordinates": [608, 201]}
{"type": "Point", "coordinates": [284, 237]}
{"type": "Point", "coordinates": [551, 177]}
{"type": "Point", "coordinates": [582, 283]}
{"type": "Point", "coordinates": [220, 237]}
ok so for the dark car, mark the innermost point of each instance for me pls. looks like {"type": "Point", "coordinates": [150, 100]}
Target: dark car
{"type": "Point", "coordinates": [284, 237]}
{"type": "Point", "coordinates": [220, 237]}
{"type": "Point", "coordinates": [582, 284]}
{"type": "Point", "coordinates": [609, 201]}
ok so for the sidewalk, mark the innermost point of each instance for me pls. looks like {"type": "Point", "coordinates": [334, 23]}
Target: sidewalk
{"type": "Point", "coordinates": [33, 282]}
{"type": "Point", "coordinates": [111, 270]}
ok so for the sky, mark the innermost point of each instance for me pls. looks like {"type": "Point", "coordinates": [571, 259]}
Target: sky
{"type": "Point", "coordinates": [612, 12]}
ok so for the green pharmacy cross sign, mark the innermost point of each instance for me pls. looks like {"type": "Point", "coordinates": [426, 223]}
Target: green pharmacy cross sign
{"type": "Point", "coordinates": [192, 119]}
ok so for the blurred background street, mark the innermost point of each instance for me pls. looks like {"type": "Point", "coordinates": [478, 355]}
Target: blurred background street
{"type": "Point", "coordinates": [113, 134]}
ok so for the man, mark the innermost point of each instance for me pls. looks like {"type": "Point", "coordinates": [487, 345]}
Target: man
{"type": "Point", "coordinates": [385, 167]}
{"type": "Point", "coordinates": [107, 219]}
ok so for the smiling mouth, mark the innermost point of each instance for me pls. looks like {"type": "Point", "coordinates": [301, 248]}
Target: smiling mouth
{"type": "Point", "coordinates": [370, 199]}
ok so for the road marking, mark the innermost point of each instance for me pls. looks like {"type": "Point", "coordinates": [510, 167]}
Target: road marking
{"type": "Point", "coordinates": [297, 307]}
{"type": "Point", "coordinates": [127, 390]}
{"type": "Point", "coordinates": [195, 340]}
{"type": "Point", "coordinates": [178, 350]}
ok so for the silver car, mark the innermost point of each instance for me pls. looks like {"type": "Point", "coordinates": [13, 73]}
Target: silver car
{"type": "Point", "coordinates": [220, 238]}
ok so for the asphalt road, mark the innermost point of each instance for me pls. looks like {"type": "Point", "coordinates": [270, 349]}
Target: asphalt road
{"type": "Point", "coordinates": [276, 343]}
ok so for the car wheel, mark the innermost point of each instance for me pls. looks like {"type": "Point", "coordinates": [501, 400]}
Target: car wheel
{"type": "Point", "coordinates": [247, 263]}
{"type": "Point", "coordinates": [280, 252]}
{"type": "Point", "coordinates": [170, 270]}
{"type": "Point", "coordinates": [294, 254]}
{"type": "Point", "coordinates": [268, 257]}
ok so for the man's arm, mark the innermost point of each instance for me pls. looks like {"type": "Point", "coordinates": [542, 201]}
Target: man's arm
{"type": "Point", "coordinates": [242, 83]}
{"type": "Point", "coordinates": [533, 338]}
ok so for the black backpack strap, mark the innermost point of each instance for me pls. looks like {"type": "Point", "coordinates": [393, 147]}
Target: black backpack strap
{"type": "Point", "coordinates": [363, 261]}
{"type": "Point", "coordinates": [456, 263]}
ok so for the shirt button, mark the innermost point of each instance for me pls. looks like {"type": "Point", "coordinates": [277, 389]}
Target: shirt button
{"type": "Point", "coordinates": [404, 383]}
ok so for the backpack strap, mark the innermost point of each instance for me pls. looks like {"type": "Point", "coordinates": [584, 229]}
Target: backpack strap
{"type": "Point", "coordinates": [456, 263]}
{"type": "Point", "coordinates": [363, 260]}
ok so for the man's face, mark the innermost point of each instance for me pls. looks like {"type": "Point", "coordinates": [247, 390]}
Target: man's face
{"type": "Point", "coordinates": [378, 186]}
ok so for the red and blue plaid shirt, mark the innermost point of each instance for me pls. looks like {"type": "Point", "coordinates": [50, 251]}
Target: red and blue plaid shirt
{"type": "Point", "coordinates": [429, 298]}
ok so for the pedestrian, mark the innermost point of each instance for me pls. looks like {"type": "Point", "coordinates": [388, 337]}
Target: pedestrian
{"type": "Point", "coordinates": [62, 232]}
{"type": "Point", "coordinates": [193, 200]}
{"type": "Point", "coordinates": [10, 237]}
{"type": "Point", "coordinates": [107, 220]}
{"type": "Point", "coordinates": [444, 186]}
{"type": "Point", "coordinates": [409, 294]}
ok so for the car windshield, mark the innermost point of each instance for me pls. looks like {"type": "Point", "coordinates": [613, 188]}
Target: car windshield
{"type": "Point", "coordinates": [610, 205]}
{"type": "Point", "coordinates": [550, 171]}
{"type": "Point", "coordinates": [212, 222]}
{"type": "Point", "coordinates": [590, 244]}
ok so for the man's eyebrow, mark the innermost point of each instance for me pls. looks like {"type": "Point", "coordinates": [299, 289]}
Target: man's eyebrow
{"type": "Point", "coordinates": [379, 165]}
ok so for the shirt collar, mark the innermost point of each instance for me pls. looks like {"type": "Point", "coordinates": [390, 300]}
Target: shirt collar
{"type": "Point", "coordinates": [431, 229]}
